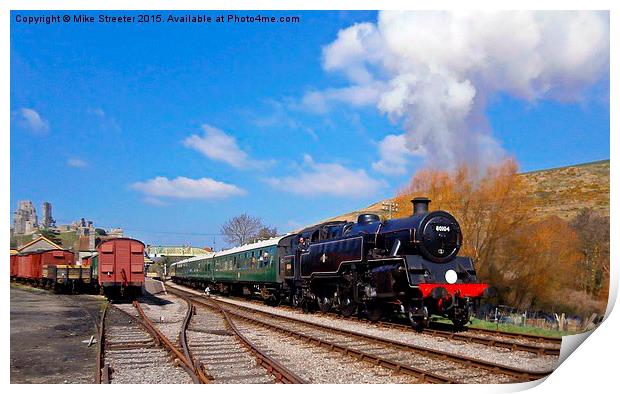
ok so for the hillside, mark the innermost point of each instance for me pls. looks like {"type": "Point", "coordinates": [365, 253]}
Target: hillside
{"type": "Point", "coordinates": [564, 191]}
{"type": "Point", "coordinates": [557, 191]}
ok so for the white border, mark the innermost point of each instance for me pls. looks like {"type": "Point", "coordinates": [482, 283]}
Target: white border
{"type": "Point", "coordinates": [591, 369]}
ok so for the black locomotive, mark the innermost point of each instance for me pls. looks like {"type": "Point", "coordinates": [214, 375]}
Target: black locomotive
{"type": "Point", "coordinates": [372, 266]}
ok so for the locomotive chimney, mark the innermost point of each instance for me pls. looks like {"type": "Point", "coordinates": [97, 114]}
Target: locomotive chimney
{"type": "Point", "coordinates": [420, 205]}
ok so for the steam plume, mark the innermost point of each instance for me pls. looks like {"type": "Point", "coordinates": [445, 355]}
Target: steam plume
{"type": "Point", "coordinates": [435, 71]}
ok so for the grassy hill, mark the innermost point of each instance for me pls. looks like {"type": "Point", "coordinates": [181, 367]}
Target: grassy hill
{"type": "Point", "coordinates": [557, 191]}
{"type": "Point", "coordinates": [564, 191]}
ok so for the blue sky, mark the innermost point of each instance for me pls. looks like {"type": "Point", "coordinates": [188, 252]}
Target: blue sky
{"type": "Point", "coordinates": [167, 130]}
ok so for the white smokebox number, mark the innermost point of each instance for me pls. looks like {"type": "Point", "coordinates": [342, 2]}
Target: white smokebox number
{"type": "Point", "coordinates": [451, 276]}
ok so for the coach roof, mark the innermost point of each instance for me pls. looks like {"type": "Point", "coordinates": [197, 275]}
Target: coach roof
{"type": "Point", "coordinates": [256, 245]}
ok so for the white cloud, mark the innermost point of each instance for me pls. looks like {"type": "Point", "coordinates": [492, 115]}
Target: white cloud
{"type": "Point", "coordinates": [77, 163]}
{"type": "Point", "coordinates": [327, 179]}
{"type": "Point", "coordinates": [278, 117]}
{"type": "Point", "coordinates": [321, 101]}
{"type": "Point", "coordinates": [435, 71]}
{"type": "Point", "coordinates": [186, 188]}
{"type": "Point", "coordinates": [352, 50]}
{"type": "Point", "coordinates": [394, 155]}
{"type": "Point", "coordinates": [97, 112]}
{"type": "Point", "coordinates": [106, 122]}
{"type": "Point", "coordinates": [31, 120]}
{"type": "Point", "coordinates": [217, 145]}
{"type": "Point", "coordinates": [154, 201]}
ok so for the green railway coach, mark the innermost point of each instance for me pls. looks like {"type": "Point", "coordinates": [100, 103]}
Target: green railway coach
{"type": "Point", "coordinates": [248, 269]}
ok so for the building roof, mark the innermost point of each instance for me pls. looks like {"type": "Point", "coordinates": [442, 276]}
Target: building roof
{"type": "Point", "coordinates": [175, 251]}
{"type": "Point", "coordinates": [51, 244]}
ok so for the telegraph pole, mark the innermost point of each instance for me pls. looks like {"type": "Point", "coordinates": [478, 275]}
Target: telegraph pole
{"type": "Point", "coordinates": [389, 207]}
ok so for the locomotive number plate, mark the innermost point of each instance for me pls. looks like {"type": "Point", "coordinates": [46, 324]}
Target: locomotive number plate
{"type": "Point", "coordinates": [443, 229]}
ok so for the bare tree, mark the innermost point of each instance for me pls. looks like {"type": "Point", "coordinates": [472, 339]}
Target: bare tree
{"type": "Point", "coordinates": [593, 230]}
{"type": "Point", "coordinates": [265, 233]}
{"type": "Point", "coordinates": [241, 229]}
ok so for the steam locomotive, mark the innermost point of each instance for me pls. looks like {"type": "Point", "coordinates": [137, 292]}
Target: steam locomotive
{"type": "Point", "coordinates": [369, 266]}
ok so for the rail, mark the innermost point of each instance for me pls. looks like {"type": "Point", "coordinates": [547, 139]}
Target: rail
{"type": "Point", "coordinates": [522, 374]}
{"type": "Point", "coordinates": [279, 371]}
{"type": "Point", "coordinates": [101, 376]}
{"type": "Point", "coordinates": [447, 332]}
{"type": "Point", "coordinates": [169, 346]}
{"type": "Point", "coordinates": [198, 368]}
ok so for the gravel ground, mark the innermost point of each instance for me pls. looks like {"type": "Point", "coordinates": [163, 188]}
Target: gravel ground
{"type": "Point", "coordinates": [450, 369]}
{"type": "Point", "coordinates": [167, 312]}
{"type": "Point", "coordinates": [148, 364]}
{"type": "Point", "coordinates": [316, 364]}
{"type": "Point", "coordinates": [218, 349]}
{"type": "Point", "coordinates": [516, 359]}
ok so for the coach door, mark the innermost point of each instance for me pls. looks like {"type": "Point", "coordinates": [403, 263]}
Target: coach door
{"type": "Point", "coordinates": [137, 262]}
{"type": "Point", "coordinates": [105, 261]}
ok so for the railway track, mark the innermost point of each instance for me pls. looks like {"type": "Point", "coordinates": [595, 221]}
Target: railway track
{"type": "Point", "coordinates": [132, 351]}
{"type": "Point", "coordinates": [185, 360]}
{"type": "Point", "coordinates": [224, 359]}
{"type": "Point", "coordinates": [228, 356]}
{"type": "Point", "coordinates": [539, 345]}
{"type": "Point", "coordinates": [410, 359]}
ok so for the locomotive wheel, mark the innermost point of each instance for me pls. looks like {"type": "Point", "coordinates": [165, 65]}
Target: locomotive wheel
{"type": "Point", "coordinates": [346, 306]}
{"type": "Point", "coordinates": [460, 315]}
{"type": "Point", "coordinates": [273, 300]}
{"type": "Point", "coordinates": [325, 304]}
{"type": "Point", "coordinates": [417, 324]}
{"type": "Point", "coordinates": [296, 300]}
{"type": "Point", "coordinates": [373, 312]}
{"type": "Point", "coordinates": [418, 321]}
{"type": "Point", "coordinates": [459, 324]}
{"type": "Point", "coordinates": [306, 305]}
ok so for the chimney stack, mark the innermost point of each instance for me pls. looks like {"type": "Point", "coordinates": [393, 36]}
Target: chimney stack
{"type": "Point", "coordinates": [420, 205]}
